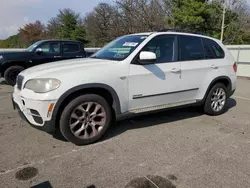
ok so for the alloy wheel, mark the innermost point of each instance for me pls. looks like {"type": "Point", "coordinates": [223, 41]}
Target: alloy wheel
{"type": "Point", "coordinates": [87, 120]}
{"type": "Point", "coordinates": [218, 99]}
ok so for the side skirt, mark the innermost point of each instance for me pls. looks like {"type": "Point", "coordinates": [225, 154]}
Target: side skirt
{"type": "Point", "coordinates": [136, 112]}
{"type": "Point", "coordinates": [164, 106]}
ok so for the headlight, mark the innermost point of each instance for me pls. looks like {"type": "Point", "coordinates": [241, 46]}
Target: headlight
{"type": "Point", "coordinates": [42, 85]}
{"type": "Point", "coordinates": [1, 57]}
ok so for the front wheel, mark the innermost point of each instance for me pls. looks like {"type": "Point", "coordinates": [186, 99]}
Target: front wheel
{"type": "Point", "coordinates": [85, 119]}
{"type": "Point", "coordinates": [216, 101]}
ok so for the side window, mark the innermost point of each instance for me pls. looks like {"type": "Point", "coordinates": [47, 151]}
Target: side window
{"type": "Point", "coordinates": [212, 49]}
{"type": "Point", "coordinates": [71, 47]}
{"type": "Point", "coordinates": [219, 53]}
{"type": "Point", "coordinates": [191, 48]}
{"type": "Point", "coordinates": [50, 47]}
{"type": "Point", "coordinates": [165, 48]}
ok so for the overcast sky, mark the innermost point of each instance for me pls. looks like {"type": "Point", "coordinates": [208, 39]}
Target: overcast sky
{"type": "Point", "coordinates": [15, 13]}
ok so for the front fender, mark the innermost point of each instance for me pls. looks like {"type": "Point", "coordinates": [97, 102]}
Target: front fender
{"type": "Point", "coordinates": [116, 104]}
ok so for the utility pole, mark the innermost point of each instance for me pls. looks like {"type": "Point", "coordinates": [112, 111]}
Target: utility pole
{"type": "Point", "coordinates": [223, 21]}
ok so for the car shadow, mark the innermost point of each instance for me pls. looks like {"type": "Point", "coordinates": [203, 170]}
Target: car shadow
{"type": "Point", "coordinates": [151, 119]}
{"type": "Point", "coordinates": [157, 118]}
{"type": "Point", "coordinates": [156, 71]}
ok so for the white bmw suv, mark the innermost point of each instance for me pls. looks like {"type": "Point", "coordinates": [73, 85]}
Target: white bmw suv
{"type": "Point", "coordinates": [133, 74]}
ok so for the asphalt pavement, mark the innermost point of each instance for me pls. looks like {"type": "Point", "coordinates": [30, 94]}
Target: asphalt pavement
{"type": "Point", "coordinates": [182, 148]}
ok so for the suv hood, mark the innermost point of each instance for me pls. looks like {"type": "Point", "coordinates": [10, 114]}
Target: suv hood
{"type": "Point", "coordinates": [65, 66]}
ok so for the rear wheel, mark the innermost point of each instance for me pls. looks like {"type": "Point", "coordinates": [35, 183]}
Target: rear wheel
{"type": "Point", "coordinates": [85, 119]}
{"type": "Point", "coordinates": [11, 73]}
{"type": "Point", "coordinates": [216, 101]}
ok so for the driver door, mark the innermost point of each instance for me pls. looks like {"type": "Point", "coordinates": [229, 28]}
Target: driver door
{"type": "Point", "coordinates": [156, 84]}
{"type": "Point", "coordinates": [51, 51]}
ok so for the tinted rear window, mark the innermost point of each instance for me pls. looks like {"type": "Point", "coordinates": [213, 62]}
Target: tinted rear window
{"type": "Point", "coordinates": [71, 47]}
{"type": "Point", "coordinates": [191, 48]}
{"type": "Point", "coordinates": [212, 49]}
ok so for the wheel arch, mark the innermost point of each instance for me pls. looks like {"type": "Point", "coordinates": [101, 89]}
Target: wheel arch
{"type": "Point", "coordinates": [94, 88]}
{"type": "Point", "coordinates": [7, 64]}
{"type": "Point", "coordinates": [221, 79]}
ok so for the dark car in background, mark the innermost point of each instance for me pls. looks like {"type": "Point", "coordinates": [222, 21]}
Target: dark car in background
{"type": "Point", "coordinates": [45, 51]}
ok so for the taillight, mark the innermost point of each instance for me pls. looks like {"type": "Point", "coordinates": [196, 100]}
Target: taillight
{"type": "Point", "coordinates": [235, 67]}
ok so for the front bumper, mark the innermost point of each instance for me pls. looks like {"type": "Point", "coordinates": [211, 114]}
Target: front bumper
{"type": "Point", "coordinates": [35, 112]}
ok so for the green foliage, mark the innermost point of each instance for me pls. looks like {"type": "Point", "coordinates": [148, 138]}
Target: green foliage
{"type": "Point", "coordinates": [12, 42]}
{"type": "Point", "coordinates": [79, 33]}
{"type": "Point", "coordinates": [69, 26]}
{"type": "Point", "coordinates": [206, 17]}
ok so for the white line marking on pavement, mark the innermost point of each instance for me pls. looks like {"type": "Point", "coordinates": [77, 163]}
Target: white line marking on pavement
{"type": "Point", "coordinates": [238, 97]}
{"type": "Point", "coordinates": [53, 157]}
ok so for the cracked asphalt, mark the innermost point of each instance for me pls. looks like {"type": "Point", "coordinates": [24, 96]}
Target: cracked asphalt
{"type": "Point", "coordinates": [190, 149]}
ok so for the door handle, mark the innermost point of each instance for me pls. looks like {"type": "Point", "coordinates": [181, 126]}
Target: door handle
{"type": "Point", "coordinates": [214, 67]}
{"type": "Point", "coordinates": [175, 70]}
{"type": "Point", "coordinates": [57, 56]}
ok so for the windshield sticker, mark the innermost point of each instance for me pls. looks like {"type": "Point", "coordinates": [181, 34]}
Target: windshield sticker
{"type": "Point", "coordinates": [130, 44]}
{"type": "Point", "coordinates": [119, 56]}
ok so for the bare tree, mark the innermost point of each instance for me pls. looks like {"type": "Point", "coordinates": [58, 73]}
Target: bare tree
{"type": "Point", "coordinates": [32, 32]}
{"type": "Point", "coordinates": [101, 24]}
{"type": "Point", "coordinates": [142, 15]}
{"type": "Point", "coordinates": [52, 28]}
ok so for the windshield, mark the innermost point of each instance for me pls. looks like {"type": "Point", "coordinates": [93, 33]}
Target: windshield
{"type": "Point", "coordinates": [32, 47]}
{"type": "Point", "coordinates": [121, 48]}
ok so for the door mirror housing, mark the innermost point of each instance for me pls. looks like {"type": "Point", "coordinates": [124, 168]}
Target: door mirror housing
{"type": "Point", "coordinates": [39, 51]}
{"type": "Point", "coordinates": [147, 58]}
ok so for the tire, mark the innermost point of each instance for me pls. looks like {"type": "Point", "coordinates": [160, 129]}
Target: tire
{"type": "Point", "coordinates": [212, 99]}
{"type": "Point", "coordinates": [77, 114]}
{"type": "Point", "coordinates": [11, 73]}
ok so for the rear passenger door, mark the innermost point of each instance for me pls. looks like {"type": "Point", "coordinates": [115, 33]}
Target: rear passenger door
{"type": "Point", "coordinates": [200, 62]}
{"type": "Point", "coordinates": [72, 50]}
{"type": "Point", "coordinates": [193, 67]}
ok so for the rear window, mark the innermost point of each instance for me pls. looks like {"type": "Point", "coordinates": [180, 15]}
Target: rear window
{"type": "Point", "coordinates": [71, 47]}
{"type": "Point", "coordinates": [212, 49]}
{"type": "Point", "coordinates": [191, 48]}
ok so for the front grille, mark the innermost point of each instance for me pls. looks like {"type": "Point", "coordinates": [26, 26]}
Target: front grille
{"type": "Point", "coordinates": [19, 81]}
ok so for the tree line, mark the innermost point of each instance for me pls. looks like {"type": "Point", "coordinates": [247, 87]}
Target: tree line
{"type": "Point", "coordinates": [108, 21]}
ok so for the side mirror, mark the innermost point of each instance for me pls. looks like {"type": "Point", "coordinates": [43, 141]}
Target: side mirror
{"type": "Point", "coordinates": [147, 58]}
{"type": "Point", "coordinates": [39, 51]}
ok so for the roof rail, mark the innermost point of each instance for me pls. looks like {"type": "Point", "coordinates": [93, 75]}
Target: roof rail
{"type": "Point", "coordinates": [178, 30]}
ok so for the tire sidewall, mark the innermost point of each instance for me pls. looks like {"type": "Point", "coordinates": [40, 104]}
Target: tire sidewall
{"type": "Point", "coordinates": [207, 107]}
{"type": "Point", "coordinates": [64, 119]}
{"type": "Point", "coordinates": [9, 71]}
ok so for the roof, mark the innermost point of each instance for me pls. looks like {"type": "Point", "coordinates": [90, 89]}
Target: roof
{"type": "Point", "coordinates": [145, 33]}
{"type": "Point", "coordinates": [180, 32]}
{"type": "Point", "coordinates": [61, 40]}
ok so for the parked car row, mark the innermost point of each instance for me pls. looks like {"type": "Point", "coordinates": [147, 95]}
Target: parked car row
{"type": "Point", "coordinates": [134, 74]}
{"type": "Point", "coordinates": [45, 51]}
